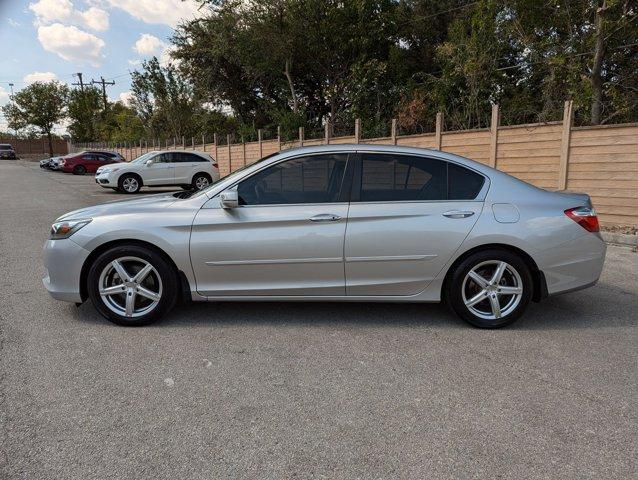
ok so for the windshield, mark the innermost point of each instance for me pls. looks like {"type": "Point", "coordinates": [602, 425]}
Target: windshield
{"type": "Point", "coordinates": [5, 147]}
{"type": "Point", "coordinates": [143, 158]}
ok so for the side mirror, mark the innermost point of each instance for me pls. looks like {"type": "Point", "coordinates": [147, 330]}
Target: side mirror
{"type": "Point", "coordinates": [229, 198]}
{"type": "Point", "coordinates": [149, 162]}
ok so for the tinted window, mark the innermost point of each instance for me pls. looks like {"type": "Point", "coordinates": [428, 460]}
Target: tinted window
{"type": "Point", "coordinates": [164, 158]}
{"type": "Point", "coordinates": [314, 179]}
{"type": "Point", "coordinates": [191, 157]}
{"type": "Point", "coordinates": [463, 184]}
{"type": "Point", "coordinates": [386, 177]}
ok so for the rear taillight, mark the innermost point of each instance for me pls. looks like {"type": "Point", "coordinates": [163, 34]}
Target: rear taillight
{"type": "Point", "coordinates": [585, 217]}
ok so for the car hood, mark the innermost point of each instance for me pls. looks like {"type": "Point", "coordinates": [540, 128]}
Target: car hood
{"type": "Point", "coordinates": [147, 204]}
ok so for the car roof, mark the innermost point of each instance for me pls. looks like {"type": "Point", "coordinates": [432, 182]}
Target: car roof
{"type": "Point", "coordinates": [363, 147]}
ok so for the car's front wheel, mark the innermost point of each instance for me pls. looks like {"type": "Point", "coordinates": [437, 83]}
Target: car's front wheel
{"type": "Point", "coordinates": [491, 288]}
{"type": "Point", "coordinates": [132, 285]}
{"type": "Point", "coordinates": [129, 183]}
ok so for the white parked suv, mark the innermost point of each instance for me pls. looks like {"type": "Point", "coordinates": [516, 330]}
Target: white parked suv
{"type": "Point", "coordinates": [189, 170]}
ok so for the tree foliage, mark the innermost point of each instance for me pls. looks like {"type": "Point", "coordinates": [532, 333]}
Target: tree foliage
{"type": "Point", "coordinates": [40, 106]}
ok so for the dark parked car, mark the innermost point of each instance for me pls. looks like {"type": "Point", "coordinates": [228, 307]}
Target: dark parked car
{"type": "Point", "coordinates": [7, 151]}
{"type": "Point", "coordinates": [84, 162]}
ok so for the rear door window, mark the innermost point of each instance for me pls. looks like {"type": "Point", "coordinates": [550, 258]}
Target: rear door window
{"type": "Point", "coordinates": [463, 184]}
{"type": "Point", "coordinates": [389, 177]}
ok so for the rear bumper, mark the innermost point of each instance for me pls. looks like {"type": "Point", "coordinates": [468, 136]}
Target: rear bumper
{"type": "Point", "coordinates": [574, 265]}
{"type": "Point", "coordinates": [63, 260]}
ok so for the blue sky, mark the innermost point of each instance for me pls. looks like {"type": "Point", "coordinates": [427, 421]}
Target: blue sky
{"type": "Point", "coordinates": [53, 39]}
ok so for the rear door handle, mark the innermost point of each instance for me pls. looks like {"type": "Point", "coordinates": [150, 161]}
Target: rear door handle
{"type": "Point", "coordinates": [458, 214]}
{"type": "Point", "coordinates": [325, 217]}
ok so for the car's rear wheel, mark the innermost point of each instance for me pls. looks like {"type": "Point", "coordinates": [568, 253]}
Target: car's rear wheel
{"type": "Point", "coordinates": [129, 184]}
{"type": "Point", "coordinates": [490, 288]}
{"type": "Point", "coordinates": [200, 181]}
{"type": "Point", "coordinates": [132, 285]}
{"type": "Point", "coordinates": [79, 170]}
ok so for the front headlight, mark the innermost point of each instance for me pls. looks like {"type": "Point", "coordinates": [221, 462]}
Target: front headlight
{"type": "Point", "coordinates": [65, 229]}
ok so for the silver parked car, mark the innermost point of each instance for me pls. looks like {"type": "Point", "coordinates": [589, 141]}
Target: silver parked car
{"type": "Point", "coordinates": [337, 223]}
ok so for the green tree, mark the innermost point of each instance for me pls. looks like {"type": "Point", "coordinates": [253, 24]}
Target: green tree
{"type": "Point", "coordinates": [40, 105]}
{"type": "Point", "coordinates": [85, 111]}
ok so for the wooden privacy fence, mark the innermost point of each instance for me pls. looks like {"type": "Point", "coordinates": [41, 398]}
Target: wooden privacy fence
{"type": "Point", "coordinates": [601, 160]}
{"type": "Point", "coordinates": [37, 146]}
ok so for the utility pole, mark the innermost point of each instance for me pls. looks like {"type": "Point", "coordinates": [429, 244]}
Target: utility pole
{"type": "Point", "coordinates": [104, 83]}
{"type": "Point", "coordinates": [80, 82]}
{"type": "Point", "coordinates": [11, 85]}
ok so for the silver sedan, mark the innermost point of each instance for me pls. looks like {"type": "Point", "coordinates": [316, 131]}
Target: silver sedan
{"type": "Point", "coordinates": [333, 223]}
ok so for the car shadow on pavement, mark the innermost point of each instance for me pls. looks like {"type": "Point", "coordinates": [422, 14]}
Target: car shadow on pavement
{"type": "Point", "coordinates": [603, 306]}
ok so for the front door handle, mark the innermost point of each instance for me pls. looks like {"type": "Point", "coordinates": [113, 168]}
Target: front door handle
{"type": "Point", "coordinates": [325, 217]}
{"type": "Point", "coordinates": [458, 214]}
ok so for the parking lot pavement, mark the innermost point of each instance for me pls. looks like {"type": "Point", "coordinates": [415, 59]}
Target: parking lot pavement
{"type": "Point", "coordinates": [305, 390]}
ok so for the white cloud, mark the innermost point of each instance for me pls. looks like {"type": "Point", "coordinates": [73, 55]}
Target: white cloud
{"type": "Point", "coordinates": [12, 22]}
{"type": "Point", "coordinates": [148, 44]}
{"type": "Point", "coordinates": [39, 77]}
{"type": "Point", "coordinates": [168, 12]}
{"type": "Point", "coordinates": [135, 63]}
{"type": "Point", "coordinates": [71, 43]}
{"type": "Point", "coordinates": [125, 97]}
{"type": "Point", "coordinates": [51, 11]}
{"type": "Point", "coordinates": [4, 95]}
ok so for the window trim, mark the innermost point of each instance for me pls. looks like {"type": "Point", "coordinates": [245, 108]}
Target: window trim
{"type": "Point", "coordinates": [356, 179]}
{"type": "Point", "coordinates": [345, 189]}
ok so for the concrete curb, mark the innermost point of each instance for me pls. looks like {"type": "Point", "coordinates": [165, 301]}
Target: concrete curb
{"type": "Point", "coordinates": [620, 238]}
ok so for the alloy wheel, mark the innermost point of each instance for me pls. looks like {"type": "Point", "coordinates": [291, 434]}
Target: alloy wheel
{"type": "Point", "coordinates": [130, 184]}
{"type": "Point", "coordinates": [201, 182]}
{"type": "Point", "coordinates": [130, 287]}
{"type": "Point", "coordinates": [492, 289]}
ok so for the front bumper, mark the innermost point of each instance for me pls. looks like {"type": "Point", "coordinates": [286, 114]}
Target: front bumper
{"type": "Point", "coordinates": [63, 260]}
{"type": "Point", "coordinates": [106, 180]}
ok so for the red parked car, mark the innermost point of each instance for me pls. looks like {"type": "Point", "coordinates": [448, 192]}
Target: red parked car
{"type": "Point", "coordinates": [83, 162]}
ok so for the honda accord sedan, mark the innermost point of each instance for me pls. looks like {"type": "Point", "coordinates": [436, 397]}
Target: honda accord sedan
{"type": "Point", "coordinates": [333, 223]}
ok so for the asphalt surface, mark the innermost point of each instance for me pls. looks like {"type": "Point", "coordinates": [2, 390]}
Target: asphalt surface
{"type": "Point", "coordinates": [311, 390]}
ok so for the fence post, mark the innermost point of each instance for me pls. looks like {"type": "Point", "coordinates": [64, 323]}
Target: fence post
{"type": "Point", "coordinates": [259, 139]}
{"type": "Point", "coordinates": [357, 130]}
{"type": "Point", "coordinates": [243, 149]}
{"type": "Point", "coordinates": [279, 137]}
{"type": "Point", "coordinates": [183, 142]}
{"type": "Point", "coordinates": [393, 131]}
{"type": "Point", "coordinates": [565, 141]}
{"type": "Point", "coordinates": [230, 162]}
{"type": "Point", "coordinates": [193, 143]}
{"type": "Point", "coordinates": [326, 133]}
{"type": "Point", "coordinates": [215, 146]}
{"type": "Point", "coordinates": [146, 145]}
{"type": "Point", "coordinates": [496, 119]}
{"type": "Point", "coordinates": [301, 136]}
{"type": "Point", "coordinates": [439, 131]}
{"type": "Point", "coordinates": [203, 143]}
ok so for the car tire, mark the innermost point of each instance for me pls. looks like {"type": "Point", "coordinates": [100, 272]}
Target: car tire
{"type": "Point", "coordinates": [481, 297]}
{"type": "Point", "coordinates": [201, 181]}
{"type": "Point", "coordinates": [129, 183]}
{"type": "Point", "coordinates": [130, 307]}
{"type": "Point", "coordinates": [79, 170]}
